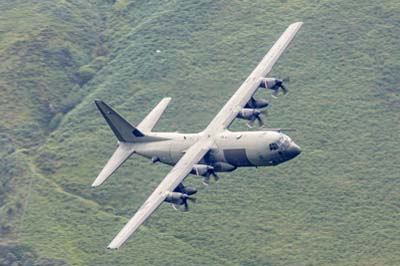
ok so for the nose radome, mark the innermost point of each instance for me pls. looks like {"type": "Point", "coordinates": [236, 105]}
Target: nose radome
{"type": "Point", "coordinates": [292, 151]}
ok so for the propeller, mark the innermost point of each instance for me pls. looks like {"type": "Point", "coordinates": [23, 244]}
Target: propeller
{"type": "Point", "coordinates": [257, 117]}
{"type": "Point", "coordinates": [279, 85]}
{"type": "Point", "coordinates": [206, 171]}
{"type": "Point", "coordinates": [211, 172]}
{"type": "Point", "coordinates": [185, 198]}
{"type": "Point", "coordinates": [185, 204]}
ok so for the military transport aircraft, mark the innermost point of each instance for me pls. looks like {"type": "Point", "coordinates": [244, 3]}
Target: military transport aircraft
{"type": "Point", "coordinates": [215, 149]}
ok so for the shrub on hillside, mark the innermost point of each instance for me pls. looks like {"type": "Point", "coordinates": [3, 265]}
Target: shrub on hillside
{"type": "Point", "coordinates": [25, 256]}
{"type": "Point", "coordinates": [85, 73]}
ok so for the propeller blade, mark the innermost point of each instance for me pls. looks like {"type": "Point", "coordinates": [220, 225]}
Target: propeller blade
{"type": "Point", "coordinates": [206, 180]}
{"type": "Point", "coordinates": [192, 199]}
{"type": "Point", "coordinates": [260, 122]}
{"type": "Point", "coordinates": [186, 206]}
{"type": "Point", "coordinates": [216, 177]}
{"type": "Point", "coordinates": [185, 203]}
{"type": "Point", "coordinates": [278, 83]}
{"type": "Point", "coordinates": [250, 124]}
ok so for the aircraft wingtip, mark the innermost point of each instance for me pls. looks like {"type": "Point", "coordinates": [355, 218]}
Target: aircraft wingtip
{"type": "Point", "coordinates": [95, 184]}
{"type": "Point", "coordinates": [167, 99]}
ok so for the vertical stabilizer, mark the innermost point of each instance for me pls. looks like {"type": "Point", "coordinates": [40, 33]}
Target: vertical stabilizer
{"type": "Point", "coordinates": [123, 130]}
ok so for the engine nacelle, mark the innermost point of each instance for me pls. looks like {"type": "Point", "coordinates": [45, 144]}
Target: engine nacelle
{"type": "Point", "coordinates": [185, 190]}
{"type": "Point", "coordinates": [257, 103]}
{"type": "Point", "coordinates": [206, 171]}
{"type": "Point", "coordinates": [176, 198]}
{"type": "Point", "coordinates": [269, 83]}
{"type": "Point", "coordinates": [223, 167]}
{"type": "Point", "coordinates": [201, 169]}
{"type": "Point", "coordinates": [189, 190]}
{"type": "Point", "coordinates": [248, 113]}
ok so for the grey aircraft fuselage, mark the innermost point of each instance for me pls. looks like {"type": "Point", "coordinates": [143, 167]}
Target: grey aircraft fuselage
{"type": "Point", "coordinates": [232, 149]}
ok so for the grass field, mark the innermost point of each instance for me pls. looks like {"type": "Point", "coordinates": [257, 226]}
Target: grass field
{"type": "Point", "coordinates": [338, 203]}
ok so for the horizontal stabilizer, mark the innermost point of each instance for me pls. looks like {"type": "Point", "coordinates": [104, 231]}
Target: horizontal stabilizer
{"type": "Point", "coordinates": [152, 118]}
{"type": "Point", "coordinates": [121, 154]}
{"type": "Point", "coordinates": [122, 129]}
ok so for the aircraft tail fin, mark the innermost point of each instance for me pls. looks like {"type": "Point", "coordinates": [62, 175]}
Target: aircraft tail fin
{"type": "Point", "coordinates": [152, 118]}
{"type": "Point", "coordinates": [123, 130]}
{"type": "Point", "coordinates": [126, 134]}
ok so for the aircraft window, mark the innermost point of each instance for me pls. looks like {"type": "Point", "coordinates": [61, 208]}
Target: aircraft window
{"type": "Point", "coordinates": [284, 141]}
{"type": "Point", "coordinates": [273, 146]}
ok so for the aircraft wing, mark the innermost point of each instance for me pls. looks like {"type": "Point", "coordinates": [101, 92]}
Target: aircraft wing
{"type": "Point", "coordinates": [178, 173]}
{"type": "Point", "coordinates": [231, 109]}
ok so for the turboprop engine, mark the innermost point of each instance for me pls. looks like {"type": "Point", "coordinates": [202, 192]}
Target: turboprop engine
{"type": "Point", "coordinates": [189, 190]}
{"type": "Point", "coordinates": [252, 115]}
{"type": "Point", "coordinates": [274, 84]}
{"type": "Point", "coordinates": [177, 198]}
{"type": "Point", "coordinates": [207, 171]}
{"type": "Point", "coordinates": [223, 167]}
{"type": "Point", "coordinates": [256, 103]}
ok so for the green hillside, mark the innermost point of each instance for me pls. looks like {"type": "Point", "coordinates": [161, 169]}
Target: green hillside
{"type": "Point", "coordinates": [338, 203]}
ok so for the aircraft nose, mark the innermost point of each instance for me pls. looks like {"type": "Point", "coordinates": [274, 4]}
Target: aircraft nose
{"type": "Point", "coordinates": [292, 151]}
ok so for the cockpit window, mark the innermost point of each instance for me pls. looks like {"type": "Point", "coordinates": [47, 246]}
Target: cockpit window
{"type": "Point", "coordinates": [283, 142]}
{"type": "Point", "coordinates": [273, 146]}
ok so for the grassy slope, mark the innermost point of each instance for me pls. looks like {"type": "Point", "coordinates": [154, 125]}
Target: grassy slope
{"type": "Point", "coordinates": [337, 204]}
